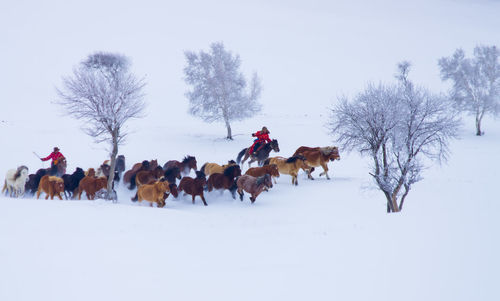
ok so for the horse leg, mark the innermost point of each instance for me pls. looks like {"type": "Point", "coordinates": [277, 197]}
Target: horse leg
{"type": "Point", "coordinates": [240, 192]}
{"type": "Point", "coordinates": [59, 195]}
{"type": "Point", "coordinates": [325, 172]}
{"type": "Point", "coordinates": [252, 198]}
{"type": "Point", "coordinates": [193, 197]}
{"type": "Point", "coordinates": [203, 199]}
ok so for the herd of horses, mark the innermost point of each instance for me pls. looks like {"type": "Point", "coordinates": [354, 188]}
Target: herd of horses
{"type": "Point", "coordinates": [155, 183]}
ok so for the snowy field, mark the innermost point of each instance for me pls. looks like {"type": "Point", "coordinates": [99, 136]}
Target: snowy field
{"type": "Point", "coordinates": [322, 240]}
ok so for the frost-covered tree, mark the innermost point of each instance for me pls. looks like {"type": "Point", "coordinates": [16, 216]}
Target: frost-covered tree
{"type": "Point", "coordinates": [218, 88]}
{"type": "Point", "coordinates": [104, 95]}
{"type": "Point", "coordinates": [476, 81]}
{"type": "Point", "coordinates": [396, 125]}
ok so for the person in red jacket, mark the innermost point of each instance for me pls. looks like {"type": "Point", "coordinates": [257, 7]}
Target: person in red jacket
{"type": "Point", "coordinates": [55, 156]}
{"type": "Point", "coordinates": [262, 139]}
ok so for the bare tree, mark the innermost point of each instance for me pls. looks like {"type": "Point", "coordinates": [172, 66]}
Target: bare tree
{"type": "Point", "coordinates": [104, 95]}
{"type": "Point", "coordinates": [395, 125]}
{"type": "Point", "coordinates": [476, 81]}
{"type": "Point", "coordinates": [218, 89]}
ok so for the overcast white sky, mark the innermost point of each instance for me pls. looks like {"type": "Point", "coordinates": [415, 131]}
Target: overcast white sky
{"type": "Point", "coordinates": [306, 52]}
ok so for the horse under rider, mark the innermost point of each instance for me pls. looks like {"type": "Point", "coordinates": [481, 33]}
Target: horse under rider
{"type": "Point", "coordinates": [55, 156]}
{"type": "Point", "coordinates": [262, 139]}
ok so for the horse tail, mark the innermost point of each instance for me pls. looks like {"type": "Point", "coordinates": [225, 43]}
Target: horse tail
{"type": "Point", "coordinates": [240, 155]}
{"type": "Point", "coordinates": [132, 182]}
{"type": "Point", "coordinates": [267, 161]}
{"type": "Point", "coordinates": [202, 169]}
{"type": "Point", "coordinates": [135, 198]}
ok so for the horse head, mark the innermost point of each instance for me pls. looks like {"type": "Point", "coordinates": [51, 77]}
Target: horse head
{"type": "Point", "coordinates": [275, 146]}
{"type": "Point", "coordinates": [190, 161]}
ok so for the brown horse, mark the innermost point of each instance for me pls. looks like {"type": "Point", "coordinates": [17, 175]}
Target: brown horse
{"type": "Point", "coordinates": [325, 149]}
{"type": "Point", "coordinates": [188, 163]}
{"type": "Point", "coordinates": [195, 186]}
{"type": "Point", "coordinates": [289, 166]}
{"type": "Point", "coordinates": [91, 185]}
{"type": "Point", "coordinates": [260, 155]}
{"type": "Point", "coordinates": [225, 180]}
{"type": "Point", "coordinates": [146, 176]}
{"type": "Point", "coordinates": [320, 157]}
{"type": "Point", "coordinates": [51, 185]}
{"type": "Point", "coordinates": [211, 168]}
{"type": "Point", "coordinates": [271, 169]}
{"type": "Point", "coordinates": [153, 193]}
{"type": "Point", "coordinates": [144, 165]}
{"type": "Point", "coordinates": [253, 185]}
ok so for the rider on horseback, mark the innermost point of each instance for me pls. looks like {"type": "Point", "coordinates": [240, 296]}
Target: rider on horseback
{"type": "Point", "coordinates": [262, 139]}
{"type": "Point", "coordinates": [55, 156]}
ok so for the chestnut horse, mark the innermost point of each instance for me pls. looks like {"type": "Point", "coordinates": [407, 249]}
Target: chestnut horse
{"type": "Point", "coordinates": [271, 169]}
{"type": "Point", "coordinates": [146, 176]}
{"type": "Point", "coordinates": [52, 186]}
{"type": "Point", "coordinates": [130, 174]}
{"type": "Point", "coordinates": [319, 157]}
{"type": "Point", "coordinates": [225, 180]}
{"type": "Point", "coordinates": [188, 163]}
{"type": "Point", "coordinates": [194, 186]}
{"type": "Point", "coordinates": [253, 185]}
{"type": "Point", "coordinates": [260, 155]}
{"type": "Point", "coordinates": [91, 185]}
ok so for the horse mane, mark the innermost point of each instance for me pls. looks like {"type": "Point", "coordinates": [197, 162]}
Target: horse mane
{"type": "Point", "coordinates": [200, 175]}
{"type": "Point", "coordinates": [19, 170]}
{"type": "Point", "coordinates": [145, 164]}
{"type": "Point", "coordinates": [294, 158]}
{"type": "Point", "coordinates": [231, 162]}
{"type": "Point", "coordinates": [187, 159]}
{"type": "Point", "coordinates": [261, 179]}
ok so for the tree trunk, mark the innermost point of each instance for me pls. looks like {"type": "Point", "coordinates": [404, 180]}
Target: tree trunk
{"type": "Point", "coordinates": [478, 125]}
{"type": "Point", "coordinates": [229, 134]}
{"type": "Point", "coordinates": [111, 178]}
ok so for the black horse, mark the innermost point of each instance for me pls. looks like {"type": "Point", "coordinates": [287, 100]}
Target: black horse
{"type": "Point", "coordinates": [260, 155]}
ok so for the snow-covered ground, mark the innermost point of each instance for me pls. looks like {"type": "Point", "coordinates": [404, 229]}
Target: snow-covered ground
{"type": "Point", "coordinates": [322, 240]}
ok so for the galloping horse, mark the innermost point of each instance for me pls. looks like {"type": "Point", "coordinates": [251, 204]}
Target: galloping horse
{"type": "Point", "coordinates": [253, 185]}
{"type": "Point", "coordinates": [260, 155]}
{"type": "Point", "coordinates": [188, 163]}
{"type": "Point", "coordinates": [194, 186]}
{"type": "Point", "coordinates": [289, 166]}
{"type": "Point", "coordinates": [319, 157]}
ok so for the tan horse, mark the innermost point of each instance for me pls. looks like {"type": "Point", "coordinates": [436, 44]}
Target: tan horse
{"type": "Point", "coordinates": [320, 157]}
{"type": "Point", "coordinates": [51, 185]}
{"type": "Point", "coordinates": [289, 166]}
{"type": "Point", "coordinates": [153, 193]}
{"type": "Point", "coordinates": [211, 168]}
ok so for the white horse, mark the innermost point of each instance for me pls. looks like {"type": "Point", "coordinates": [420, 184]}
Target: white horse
{"type": "Point", "coordinates": [15, 180]}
